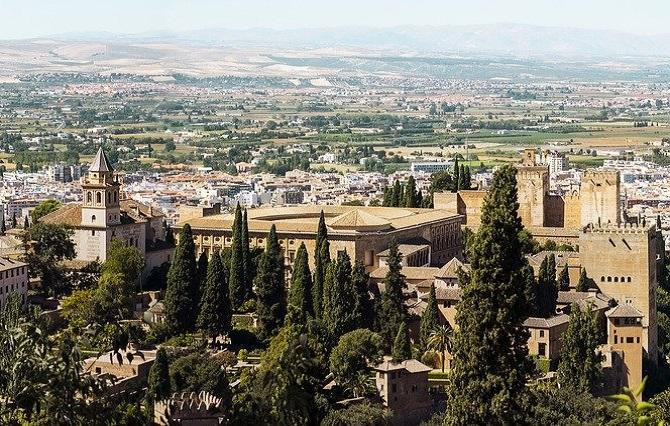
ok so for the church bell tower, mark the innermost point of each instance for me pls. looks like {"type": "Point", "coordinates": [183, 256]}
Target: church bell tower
{"type": "Point", "coordinates": [101, 194]}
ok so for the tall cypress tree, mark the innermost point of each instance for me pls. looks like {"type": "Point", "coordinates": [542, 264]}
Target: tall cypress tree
{"type": "Point", "coordinates": [467, 178]}
{"type": "Point", "coordinates": [237, 282]}
{"type": "Point", "coordinates": [393, 311]}
{"type": "Point", "coordinates": [364, 309]}
{"type": "Point", "coordinates": [461, 177]}
{"type": "Point", "coordinates": [271, 298]}
{"type": "Point", "coordinates": [216, 313]}
{"type": "Point", "coordinates": [320, 264]}
{"type": "Point", "coordinates": [181, 303]}
{"type": "Point", "coordinates": [410, 193]}
{"type": "Point", "coordinates": [3, 227]}
{"type": "Point", "coordinates": [300, 292]}
{"type": "Point", "coordinates": [249, 272]}
{"type": "Point", "coordinates": [397, 194]}
{"type": "Point", "coordinates": [491, 363]}
{"type": "Point", "coordinates": [430, 319]}
{"type": "Point", "coordinates": [158, 382]}
{"type": "Point", "coordinates": [583, 283]}
{"type": "Point", "coordinates": [402, 347]}
{"type": "Point", "coordinates": [546, 289]}
{"type": "Point", "coordinates": [338, 298]}
{"type": "Point", "coordinates": [203, 263]}
{"type": "Point", "coordinates": [564, 279]}
{"type": "Point", "coordinates": [457, 176]}
{"type": "Point", "coordinates": [580, 365]}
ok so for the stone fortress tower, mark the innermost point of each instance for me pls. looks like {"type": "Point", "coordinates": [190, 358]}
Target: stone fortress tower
{"type": "Point", "coordinates": [599, 193]}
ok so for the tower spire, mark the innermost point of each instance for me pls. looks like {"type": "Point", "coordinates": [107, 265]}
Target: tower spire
{"type": "Point", "coordinates": [101, 163]}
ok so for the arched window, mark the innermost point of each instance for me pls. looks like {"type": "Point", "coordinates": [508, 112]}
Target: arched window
{"type": "Point", "coordinates": [616, 279]}
{"type": "Point", "coordinates": [623, 279]}
{"type": "Point", "coordinates": [98, 197]}
{"type": "Point", "coordinates": [89, 197]}
{"type": "Point", "coordinates": [602, 279]}
{"type": "Point", "coordinates": [609, 279]}
{"type": "Point", "coordinates": [116, 197]}
{"type": "Point", "coordinates": [109, 198]}
{"type": "Point", "coordinates": [628, 279]}
{"type": "Point", "coordinates": [93, 218]}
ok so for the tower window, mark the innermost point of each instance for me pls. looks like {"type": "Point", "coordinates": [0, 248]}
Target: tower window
{"type": "Point", "coordinates": [93, 218]}
{"type": "Point", "coordinates": [98, 198]}
{"type": "Point", "coordinates": [89, 197]}
{"type": "Point", "coordinates": [109, 198]}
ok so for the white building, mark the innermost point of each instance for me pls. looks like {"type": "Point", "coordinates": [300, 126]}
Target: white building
{"type": "Point", "coordinates": [557, 162]}
{"type": "Point", "coordinates": [13, 280]}
{"type": "Point", "coordinates": [432, 166]}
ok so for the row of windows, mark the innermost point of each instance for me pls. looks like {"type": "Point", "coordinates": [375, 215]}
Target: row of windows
{"type": "Point", "coordinates": [98, 197]}
{"type": "Point", "coordinates": [8, 288]}
{"type": "Point", "coordinates": [230, 239]}
{"type": "Point", "coordinates": [615, 279]}
{"type": "Point", "coordinates": [629, 339]}
{"type": "Point", "coordinates": [10, 273]}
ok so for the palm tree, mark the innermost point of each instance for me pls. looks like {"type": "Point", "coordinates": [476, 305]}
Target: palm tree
{"type": "Point", "coordinates": [440, 340]}
{"type": "Point", "coordinates": [361, 385]}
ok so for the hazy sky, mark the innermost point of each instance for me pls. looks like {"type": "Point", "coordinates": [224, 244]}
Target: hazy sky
{"type": "Point", "coordinates": [30, 18]}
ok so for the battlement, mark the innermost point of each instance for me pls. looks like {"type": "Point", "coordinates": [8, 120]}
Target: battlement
{"type": "Point", "coordinates": [188, 405]}
{"type": "Point", "coordinates": [624, 228]}
{"type": "Point", "coordinates": [600, 174]}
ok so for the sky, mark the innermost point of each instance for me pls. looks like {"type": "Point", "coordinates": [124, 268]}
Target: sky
{"type": "Point", "coordinates": [35, 18]}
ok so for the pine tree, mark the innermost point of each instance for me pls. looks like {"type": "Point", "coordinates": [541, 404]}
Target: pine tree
{"type": "Point", "coordinates": [410, 193]}
{"type": "Point", "coordinates": [583, 283]}
{"type": "Point", "coordinates": [216, 313]}
{"type": "Point", "coordinates": [338, 298]}
{"type": "Point", "coordinates": [457, 176]}
{"type": "Point", "coordinates": [393, 311]}
{"type": "Point", "coordinates": [271, 300]}
{"type": "Point", "coordinates": [300, 292]}
{"type": "Point", "coordinates": [430, 319]}
{"type": "Point", "coordinates": [237, 282]}
{"type": "Point", "coordinates": [158, 383]}
{"type": "Point", "coordinates": [397, 194]}
{"type": "Point", "coordinates": [564, 279]}
{"type": "Point", "coordinates": [180, 296]}
{"type": "Point", "coordinates": [364, 309]}
{"type": "Point", "coordinates": [491, 363]}
{"type": "Point", "coordinates": [402, 347]}
{"type": "Point", "coordinates": [580, 365]}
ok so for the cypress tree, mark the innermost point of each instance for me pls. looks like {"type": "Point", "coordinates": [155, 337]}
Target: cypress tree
{"type": "Point", "coordinates": [457, 176]}
{"type": "Point", "coordinates": [321, 264]}
{"type": "Point", "coordinates": [3, 227]}
{"type": "Point", "coordinates": [430, 319]}
{"type": "Point", "coordinates": [583, 283]}
{"type": "Point", "coordinates": [393, 311]}
{"type": "Point", "coordinates": [467, 178]}
{"type": "Point", "coordinates": [271, 300]}
{"type": "Point", "coordinates": [26, 223]}
{"type": "Point", "coordinates": [237, 282]}
{"type": "Point", "coordinates": [203, 263]}
{"type": "Point", "coordinates": [249, 272]}
{"type": "Point", "coordinates": [491, 363]}
{"type": "Point", "coordinates": [580, 363]}
{"type": "Point", "coordinates": [402, 347]}
{"type": "Point", "coordinates": [300, 292]}
{"type": "Point", "coordinates": [564, 279]}
{"type": "Point", "coordinates": [461, 177]}
{"type": "Point", "coordinates": [397, 194]}
{"type": "Point", "coordinates": [547, 290]}
{"type": "Point", "coordinates": [338, 298]}
{"type": "Point", "coordinates": [180, 296]}
{"type": "Point", "coordinates": [13, 220]}
{"type": "Point", "coordinates": [386, 201]}
{"type": "Point", "coordinates": [158, 383]}
{"type": "Point", "coordinates": [410, 193]}
{"type": "Point", "coordinates": [216, 313]}
{"type": "Point", "coordinates": [364, 309]}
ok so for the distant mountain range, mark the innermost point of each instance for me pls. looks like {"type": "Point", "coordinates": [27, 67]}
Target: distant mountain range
{"type": "Point", "coordinates": [499, 39]}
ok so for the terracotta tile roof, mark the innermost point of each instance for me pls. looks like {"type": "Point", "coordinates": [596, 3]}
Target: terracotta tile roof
{"type": "Point", "coordinates": [447, 293]}
{"type": "Point", "coordinates": [6, 264]}
{"type": "Point", "coordinates": [69, 215]}
{"type": "Point", "coordinates": [305, 218]}
{"type": "Point", "coordinates": [411, 365]}
{"type": "Point", "coordinates": [450, 269]}
{"type": "Point", "coordinates": [410, 272]}
{"type": "Point", "coordinates": [623, 311]}
{"type": "Point", "coordinates": [535, 322]}
{"type": "Point", "coordinates": [360, 221]}
{"type": "Point", "coordinates": [562, 257]}
{"type": "Point", "coordinates": [405, 249]}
